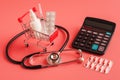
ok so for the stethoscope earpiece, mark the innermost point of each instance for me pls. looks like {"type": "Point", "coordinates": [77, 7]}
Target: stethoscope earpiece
{"type": "Point", "coordinates": [53, 59]}
{"type": "Point", "coordinates": [81, 58]}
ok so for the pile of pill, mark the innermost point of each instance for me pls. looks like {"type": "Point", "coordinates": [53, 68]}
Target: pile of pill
{"type": "Point", "coordinates": [99, 64]}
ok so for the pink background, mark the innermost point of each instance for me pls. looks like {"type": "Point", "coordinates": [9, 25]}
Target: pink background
{"type": "Point", "coordinates": [70, 14]}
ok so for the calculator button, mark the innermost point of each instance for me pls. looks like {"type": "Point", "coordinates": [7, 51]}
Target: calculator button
{"type": "Point", "coordinates": [98, 39]}
{"type": "Point", "coordinates": [87, 34]}
{"type": "Point", "coordinates": [80, 36]}
{"type": "Point", "coordinates": [93, 36]}
{"type": "Point", "coordinates": [101, 34]}
{"type": "Point", "coordinates": [96, 42]}
{"type": "Point", "coordinates": [76, 43]}
{"type": "Point", "coordinates": [78, 39]}
{"type": "Point", "coordinates": [85, 38]}
{"type": "Point", "coordinates": [95, 33]}
{"type": "Point", "coordinates": [83, 30]}
{"type": "Point", "coordinates": [106, 38]}
{"type": "Point", "coordinates": [94, 46]}
{"type": "Point", "coordinates": [81, 33]}
{"type": "Point", "coordinates": [89, 42]}
{"type": "Point", "coordinates": [103, 44]}
{"type": "Point", "coordinates": [88, 46]}
{"type": "Point", "coordinates": [81, 44]}
{"type": "Point", "coordinates": [83, 41]}
{"type": "Point", "coordinates": [89, 31]}
{"type": "Point", "coordinates": [104, 41]}
{"type": "Point", "coordinates": [91, 39]}
{"type": "Point", "coordinates": [108, 33]}
{"type": "Point", "coordinates": [101, 48]}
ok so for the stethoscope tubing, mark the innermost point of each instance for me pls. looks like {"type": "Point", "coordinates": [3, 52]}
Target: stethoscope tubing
{"type": "Point", "coordinates": [46, 66]}
{"type": "Point", "coordinates": [22, 62]}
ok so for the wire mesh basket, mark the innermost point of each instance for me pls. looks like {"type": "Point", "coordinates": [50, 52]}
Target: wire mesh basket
{"type": "Point", "coordinates": [38, 36]}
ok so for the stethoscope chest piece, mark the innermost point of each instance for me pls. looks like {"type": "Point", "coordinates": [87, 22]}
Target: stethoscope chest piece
{"type": "Point", "coordinates": [53, 59]}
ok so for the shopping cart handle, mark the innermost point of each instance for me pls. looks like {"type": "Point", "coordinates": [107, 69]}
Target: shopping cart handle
{"type": "Point", "coordinates": [20, 18]}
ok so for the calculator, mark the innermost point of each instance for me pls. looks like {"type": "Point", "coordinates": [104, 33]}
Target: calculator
{"type": "Point", "coordinates": [94, 35]}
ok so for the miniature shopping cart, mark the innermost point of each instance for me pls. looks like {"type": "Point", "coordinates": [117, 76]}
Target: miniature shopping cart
{"type": "Point", "coordinates": [41, 37]}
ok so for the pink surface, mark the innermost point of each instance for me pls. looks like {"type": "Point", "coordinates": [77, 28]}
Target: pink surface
{"type": "Point", "coordinates": [71, 14]}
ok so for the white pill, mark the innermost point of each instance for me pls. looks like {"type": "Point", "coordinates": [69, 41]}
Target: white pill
{"type": "Point", "coordinates": [92, 66]}
{"type": "Point", "coordinates": [107, 70]}
{"type": "Point", "coordinates": [91, 59]}
{"type": "Point", "coordinates": [105, 62]}
{"type": "Point", "coordinates": [87, 65]}
{"type": "Point", "coordinates": [102, 68]}
{"type": "Point", "coordinates": [101, 60]}
{"type": "Point", "coordinates": [97, 67]}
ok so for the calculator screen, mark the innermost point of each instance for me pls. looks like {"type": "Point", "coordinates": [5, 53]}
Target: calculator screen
{"type": "Point", "coordinates": [96, 24]}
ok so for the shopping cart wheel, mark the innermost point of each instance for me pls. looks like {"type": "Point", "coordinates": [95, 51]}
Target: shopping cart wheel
{"type": "Point", "coordinates": [26, 45]}
{"type": "Point", "coordinates": [45, 49]}
{"type": "Point", "coordinates": [52, 43]}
